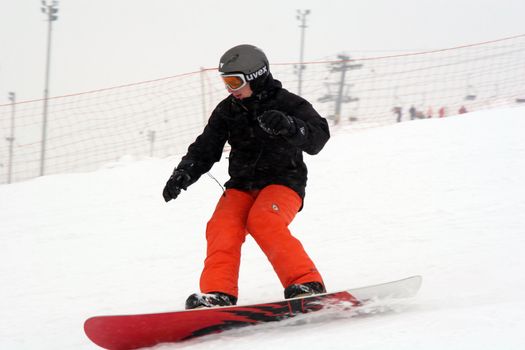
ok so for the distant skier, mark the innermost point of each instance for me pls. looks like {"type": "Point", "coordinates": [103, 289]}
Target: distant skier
{"type": "Point", "coordinates": [398, 111]}
{"type": "Point", "coordinates": [430, 112]}
{"type": "Point", "coordinates": [441, 112]}
{"type": "Point", "coordinates": [268, 129]}
{"type": "Point", "coordinates": [413, 112]}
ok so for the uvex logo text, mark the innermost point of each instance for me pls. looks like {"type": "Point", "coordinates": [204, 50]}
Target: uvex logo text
{"type": "Point", "coordinates": [257, 74]}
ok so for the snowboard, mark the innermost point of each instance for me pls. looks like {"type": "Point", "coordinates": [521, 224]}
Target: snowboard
{"type": "Point", "coordinates": [126, 332]}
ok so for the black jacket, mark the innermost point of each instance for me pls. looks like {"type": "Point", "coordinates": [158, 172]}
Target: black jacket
{"type": "Point", "coordinates": [258, 159]}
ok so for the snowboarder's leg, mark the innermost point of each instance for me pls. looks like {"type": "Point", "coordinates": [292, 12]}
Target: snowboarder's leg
{"type": "Point", "coordinates": [268, 220]}
{"type": "Point", "coordinates": [225, 233]}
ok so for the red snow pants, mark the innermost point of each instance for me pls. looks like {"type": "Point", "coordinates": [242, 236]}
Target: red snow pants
{"type": "Point", "coordinates": [265, 215]}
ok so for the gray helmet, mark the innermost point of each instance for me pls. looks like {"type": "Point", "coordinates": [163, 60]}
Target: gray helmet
{"type": "Point", "coordinates": [246, 59]}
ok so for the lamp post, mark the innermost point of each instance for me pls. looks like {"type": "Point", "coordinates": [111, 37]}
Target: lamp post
{"type": "Point", "coordinates": [11, 138]}
{"type": "Point", "coordinates": [50, 10]}
{"type": "Point", "coordinates": [301, 16]}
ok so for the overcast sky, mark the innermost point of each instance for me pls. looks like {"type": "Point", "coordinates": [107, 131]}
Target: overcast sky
{"type": "Point", "coordinates": [103, 43]}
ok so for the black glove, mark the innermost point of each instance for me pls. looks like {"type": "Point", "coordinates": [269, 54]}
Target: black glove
{"type": "Point", "coordinates": [277, 123]}
{"type": "Point", "coordinates": [179, 180]}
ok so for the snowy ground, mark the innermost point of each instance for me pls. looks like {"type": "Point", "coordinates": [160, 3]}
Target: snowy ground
{"type": "Point", "coordinates": [441, 198]}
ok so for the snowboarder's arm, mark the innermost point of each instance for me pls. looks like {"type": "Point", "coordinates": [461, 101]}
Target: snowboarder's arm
{"type": "Point", "coordinates": [202, 154]}
{"type": "Point", "coordinates": [310, 131]}
{"type": "Point", "coordinates": [207, 148]}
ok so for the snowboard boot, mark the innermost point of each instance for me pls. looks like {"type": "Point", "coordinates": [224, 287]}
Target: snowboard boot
{"type": "Point", "coordinates": [200, 300]}
{"type": "Point", "coordinates": [302, 290]}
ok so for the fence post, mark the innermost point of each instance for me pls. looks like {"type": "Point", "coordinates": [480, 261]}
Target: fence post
{"type": "Point", "coordinates": [203, 97]}
{"type": "Point", "coordinates": [11, 138]}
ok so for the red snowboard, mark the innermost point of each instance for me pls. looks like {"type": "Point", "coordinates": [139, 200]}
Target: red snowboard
{"type": "Point", "coordinates": [128, 332]}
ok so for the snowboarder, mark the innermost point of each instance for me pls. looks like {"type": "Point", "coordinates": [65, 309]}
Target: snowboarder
{"type": "Point", "coordinates": [268, 129]}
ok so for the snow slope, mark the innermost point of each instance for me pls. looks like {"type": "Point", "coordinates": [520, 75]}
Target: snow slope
{"type": "Point", "coordinates": [441, 198]}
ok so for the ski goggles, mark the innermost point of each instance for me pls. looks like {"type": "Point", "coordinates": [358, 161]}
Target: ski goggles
{"type": "Point", "coordinates": [234, 81]}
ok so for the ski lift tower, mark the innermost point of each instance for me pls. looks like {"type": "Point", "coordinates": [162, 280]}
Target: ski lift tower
{"type": "Point", "coordinates": [342, 94]}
